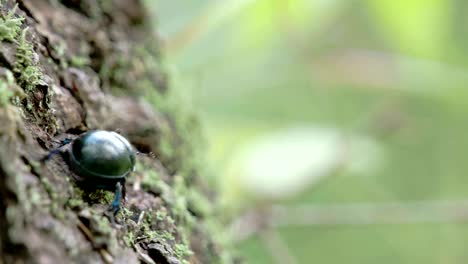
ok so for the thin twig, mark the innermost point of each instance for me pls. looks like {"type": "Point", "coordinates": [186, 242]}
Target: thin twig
{"type": "Point", "coordinates": [371, 213]}
{"type": "Point", "coordinates": [255, 221]}
{"type": "Point", "coordinates": [275, 245]}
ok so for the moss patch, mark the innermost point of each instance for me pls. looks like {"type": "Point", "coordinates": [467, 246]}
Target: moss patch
{"type": "Point", "coordinates": [79, 61]}
{"type": "Point", "coordinates": [10, 25]}
{"type": "Point", "coordinates": [25, 67]}
{"type": "Point", "coordinates": [5, 92]}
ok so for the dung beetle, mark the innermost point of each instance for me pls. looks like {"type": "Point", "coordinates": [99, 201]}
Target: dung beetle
{"type": "Point", "coordinates": [100, 159]}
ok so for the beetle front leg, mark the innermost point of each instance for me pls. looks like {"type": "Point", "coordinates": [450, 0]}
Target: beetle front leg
{"type": "Point", "coordinates": [56, 151]}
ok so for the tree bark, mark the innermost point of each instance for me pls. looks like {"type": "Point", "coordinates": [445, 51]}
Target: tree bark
{"type": "Point", "coordinates": [67, 67]}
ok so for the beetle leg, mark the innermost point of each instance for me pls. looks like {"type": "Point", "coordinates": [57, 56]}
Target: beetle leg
{"type": "Point", "coordinates": [115, 205]}
{"type": "Point", "coordinates": [56, 150]}
{"type": "Point", "coordinates": [50, 154]}
{"type": "Point", "coordinates": [64, 142]}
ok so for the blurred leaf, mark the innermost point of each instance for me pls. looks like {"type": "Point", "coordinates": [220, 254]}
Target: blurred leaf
{"type": "Point", "coordinates": [417, 27]}
{"type": "Point", "coordinates": [283, 163]}
{"type": "Point", "coordinates": [266, 21]}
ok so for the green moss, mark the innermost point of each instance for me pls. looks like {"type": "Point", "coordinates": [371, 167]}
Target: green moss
{"type": "Point", "coordinates": [34, 196]}
{"type": "Point", "coordinates": [159, 227]}
{"type": "Point", "coordinates": [151, 179]}
{"type": "Point", "coordinates": [60, 48]}
{"type": "Point", "coordinates": [100, 228]}
{"type": "Point", "coordinates": [78, 198]}
{"type": "Point", "coordinates": [129, 72]}
{"type": "Point", "coordinates": [7, 85]}
{"type": "Point", "coordinates": [100, 196]}
{"type": "Point", "coordinates": [16, 101]}
{"type": "Point", "coordinates": [25, 67]}
{"type": "Point", "coordinates": [198, 203]}
{"type": "Point", "coordinates": [49, 188]}
{"type": "Point", "coordinates": [152, 182]}
{"type": "Point", "coordinates": [99, 224]}
{"type": "Point", "coordinates": [5, 93]}
{"type": "Point", "coordinates": [170, 220]}
{"type": "Point", "coordinates": [77, 192]}
{"type": "Point", "coordinates": [179, 206]}
{"type": "Point", "coordinates": [106, 5]}
{"type": "Point", "coordinates": [125, 213]}
{"type": "Point", "coordinates": [60, 51]}
{"type": "Point", "coordinates": [56, 210]}
{"type": "Point", "coordinates": [102, 224]}
{"type": "Point", "coordinates": [161, 215]}
{"type": "Point", "coordinates": [175, 196]}
{"type": "Point", "coordinates": [129, 238]}
{"type": "Point", "coordinates": [167, 235]}
{"type": "Point", "coordinates": [79, 61]}
{"type": "Point", "coordinates": [10, 25]}
{"type": "Point", "coordinates": [181, 144]}
{"type": "Point", "coordinates": [166, 146]}
{"type": "Point", "coordinates": [74, 203]}
{"type": "Point", "coordinates": [153, 235]}
{"type": "Point", "coordinates": [182, 251]}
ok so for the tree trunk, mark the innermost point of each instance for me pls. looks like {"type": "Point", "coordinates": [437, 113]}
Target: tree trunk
{"type": "Point", "coordinates": [70, 66]}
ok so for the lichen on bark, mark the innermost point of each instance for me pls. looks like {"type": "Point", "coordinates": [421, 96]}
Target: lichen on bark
{"type": "Point", "coordinates": [71, 66]}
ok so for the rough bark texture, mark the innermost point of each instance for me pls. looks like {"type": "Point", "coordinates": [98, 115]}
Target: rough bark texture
{"type": "Point", "coordinates": [71, 66]}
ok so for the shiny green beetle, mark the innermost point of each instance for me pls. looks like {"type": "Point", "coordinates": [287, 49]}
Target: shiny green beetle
{"type": "Point", "coordinates": [100, 159]}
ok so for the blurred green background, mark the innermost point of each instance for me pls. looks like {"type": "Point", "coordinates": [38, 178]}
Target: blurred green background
{"type": "Point", "coordinates": [327, 102]}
